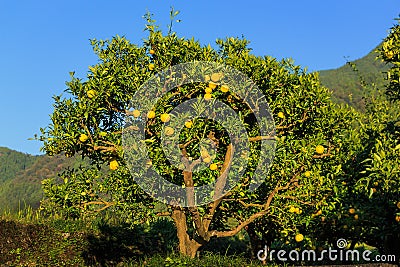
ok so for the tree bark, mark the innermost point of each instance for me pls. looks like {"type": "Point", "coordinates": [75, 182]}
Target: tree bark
{"type": "Point", "coordinates": [187, 245]}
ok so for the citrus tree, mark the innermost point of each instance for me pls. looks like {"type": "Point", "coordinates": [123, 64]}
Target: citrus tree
{"type": "Point", "coordinates": [306, 136]}
{"type": "Point", "coordinates": [376, 190]}
{"type": "Point", "coordinates": [390, 53]}
{"type": "Point", "coordinates": [369, 208]}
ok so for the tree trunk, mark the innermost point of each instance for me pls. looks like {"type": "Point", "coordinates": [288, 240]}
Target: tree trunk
{"type": "Point", "coordinates": [187, 245]}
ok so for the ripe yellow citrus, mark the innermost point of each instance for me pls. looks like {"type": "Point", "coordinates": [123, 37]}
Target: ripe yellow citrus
{"type": "Point", "coordinates": [207, 159]}
{"type": "Point", "coordinates": [83, 138]}
{"type": "Point", "coordinates": [389, 54]}
{"type": "Point", "coordinates": [398, 204]}
{"type": "Point", "coordinates": [207, 96]}
{"type": "Point", "coordinates": [224, 88]}
{"type": "Point", "coordinates": [165, 117]}
{"type": "Point", "coordinates": [307, 174]}
{"type": "Point", "coordinates": [208, 90]}
{"type": "Point", "coordinates": [204, 153]}
{"type": "Point", "coordinates": [114, 165]}
{"type": "Point", "coordinates": [151, 66]}
{"type": "Point", "coordinates": [352, 210]}
{"type": "Point", "coordinates": [292, 209]}
{"type": "Point", "coordinates": [356, 217]}
{"type": "Point", "coordinates": [398, 218]}
{"type": "Point", "coordinates": [136, 113]}
{"type": "Point", "coordinates": [188, 124]}
{"type": "Point", "coordinates": [319, 149]}
{"type": "Point", "coordinates": [91, 93]}
{"type": "Point", "coordinates": [215, 77]}
{"type": "Point", "coordinates": [152, 52]}
{"type": "Point", "coordinates": [213, 166]}
{"type": "Point", "coordinates": [151, 114]}
{"type": "Point", "coordinates": [169, 130]}
{"type": "Point", "coordinates": [281, 115]}
{"type": "Point", "coordinates": [299, 238]}
{"type": "Point", "coordinates": [212, 85]}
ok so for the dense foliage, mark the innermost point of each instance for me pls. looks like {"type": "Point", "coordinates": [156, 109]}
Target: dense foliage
{"type": "Point", "coordinates": [302, 180]}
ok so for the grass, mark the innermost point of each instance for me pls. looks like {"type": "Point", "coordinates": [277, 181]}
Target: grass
{"type": "Point", "coordinates": [28, 238]}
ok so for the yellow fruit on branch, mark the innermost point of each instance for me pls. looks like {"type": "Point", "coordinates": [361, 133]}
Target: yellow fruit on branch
{"type": "Point", "coordinates": [91, 93]}
{"type": "Point", "coordinates": [397, 218]}
{"type": "Point", "coordinates": [389, 54]}
{"type": "Point", "coordinates": [208, 90]}
{"type": "Point", "coordinates": [292, 209]}
{"type": "Point", "coordinates": [215, 77]}
{"type": "Point", "coordinates": [83, 138]}
{"type": "Point", "coordinates": [136, 113]}
{"type": "Point", "coordinates": [356, 217]}
{"type": "Point", "coordinates": [281, 115]}
{"type": "Point", "coordinates": [224, 88]}
{"type": "Point", "coordinates": [307, 174]}
{"type": "Point", "coordinates": [188, 124]}
{"type": "Point", "coordinates": [398, 204]}
{"type": "Point", "coordinates": [151, 114]}
{"type": "Point", "coordinates": [152, 52]}
{"type": "Point", "coordinates": [114, 165]}
{"type": "Point", "coordinates": [151, 66]}
{"type": "Point", "coordinates": [207, 159]}
{"type": "Point", "coordinates": [165, 117]}
{"type": "Point", "coordinates": [352, 210]}
{"type": "Point", "coordinates": [213, 166]}
{"type": "Point", "coordinates": [319, 149]}
{"type": "Point", "coordinates": [169, 130]}
{"type": "Point", "coordinates": [212, 85]}
{"type": "Point", "coordinates": [207, 96]}
{"type": "Point", "coordinates": [299, 238]}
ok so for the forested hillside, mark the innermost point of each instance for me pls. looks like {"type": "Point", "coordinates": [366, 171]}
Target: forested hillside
{"type": "Point", "coordinates": [21, 175]}
{"type": "Point", "coordinates": [345, 82]}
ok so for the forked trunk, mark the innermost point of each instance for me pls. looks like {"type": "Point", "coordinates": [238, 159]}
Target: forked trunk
{"type": "Point", "coordinates": [187, 245]}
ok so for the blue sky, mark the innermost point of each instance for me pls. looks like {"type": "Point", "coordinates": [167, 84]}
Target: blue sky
{"type": "Point", "coordinates": [42, 41]}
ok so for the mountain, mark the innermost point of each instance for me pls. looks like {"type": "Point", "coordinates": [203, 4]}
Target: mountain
{"type": "Point", "coordinates": [345, 82]}
{"type": "Point", "coordinates": [21, 175]}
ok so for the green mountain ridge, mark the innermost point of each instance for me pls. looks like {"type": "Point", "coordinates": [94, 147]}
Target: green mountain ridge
{"type": "Point", "coordinates": [21, 175]}
{"type": "Point", "coordinates": [345, 82]}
